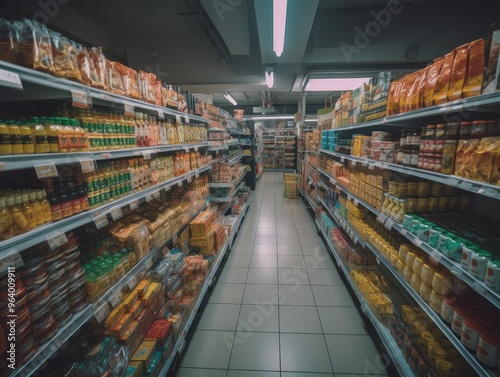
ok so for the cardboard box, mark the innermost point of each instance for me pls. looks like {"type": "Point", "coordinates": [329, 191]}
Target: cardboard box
{"type": "Point", "coordinates": [144, 353]}
{"type": "Point", "coordinates": [155, 367]}
{"type": "Point", "coordinates": [134, 369]}
{"type": "Point", "coordinates": [160, 331]}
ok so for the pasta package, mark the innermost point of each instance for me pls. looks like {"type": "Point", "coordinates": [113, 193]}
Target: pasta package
{"type": "Point", "coordinates": [475, 70]}
{"type": "Point", "coordinates": [443, 80]}
{"type": "Point", "coordinates": [430, 84]}
{"type": "Point", "coordinates": [458, 73]}
{"type": "Point", "coordinates": [484, 158]}
{"type": "Point", "coordinates": [465, 160]}
{"type": "Point", "coordinates": [491, 77]}
{"type": "Point", "coordinates": [392, 100]}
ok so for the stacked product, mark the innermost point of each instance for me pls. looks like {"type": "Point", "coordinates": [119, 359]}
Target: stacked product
{"type": "Point", "coordinates": [369, 286]}
{"type": "Point", "coordinates": [238, 202]}
{"type": "Point", "coordinates": [202, 232]}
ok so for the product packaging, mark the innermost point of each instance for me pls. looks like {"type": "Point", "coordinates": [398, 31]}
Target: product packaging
{"type": "Point", "coordinates": [491, 77]}
{"type": "Point", "coordinates": [432, 76]}
{"type": "Point", "coordinates": [475, 69]}
{"type": "Point", "coordinates": [443, 80]}
{"type": "Point", "coordinates": [458, 73]}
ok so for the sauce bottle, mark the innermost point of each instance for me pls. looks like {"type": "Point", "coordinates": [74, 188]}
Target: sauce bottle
{"type": "Point", "coordinates": [75, 199]}
{"type": "Point", "coordinates": [37, 208]}
{"type": "Point", "coordinates": [26, 139]}
{"type": "Point", "coordinates": [5, 143]}
{"type": "Point", "coordinates": [15, 138]}
{"type": "Point", "coordinates": [41, 196]}
{"type": "Point", "coordinates": [21, 224]}
{"type": "Point", "coordinates": [40, 140]}
{"type": "Point", "coordinates": [6, 222]}
{"type": "Point", "coordinates": [66, 209]}
{"type": "Point", "coordinates": [55, 206]}
{"type": "Point", "coordinates": [28, 211]}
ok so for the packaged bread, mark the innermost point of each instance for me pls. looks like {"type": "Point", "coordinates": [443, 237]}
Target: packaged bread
{"type": "Point", "coordinates": [147, 86]}
{"type": "Point", "coordinates": [443, 80]}
{"type": "Point", "coordinates": [116, 73]}
{"type": "Point", "coordinates": [392, 100]}
{"type": "Point", "coordinates": [430, 83]}
{"type": "Point", "coordinates": [402, 93]}
{"type": "Point", "coordinates": [6, 41]}
{"type": "Point", "coordinates": [495, 172]}
{"type": "Point", "coordinates": [132, 83]}
{"type": "Point", "coordinates": [65, 57]}
{"type": "Point", "coordinates": [458, 73]}
{"type": "Point", "coordinates": [491, 76]}
{"type": "Point", "coordinates": [41, 56]}
{"type": "Point", "coordinates": [164, 96]}
{"type": "Point", "coordinates": [484, 158]}
{"type": "Point", "coordinates": [100, 67]}
{"type": "Point", "coordinates": [172, 100]}
{"type": "Point", "coordinates": [475, 69]}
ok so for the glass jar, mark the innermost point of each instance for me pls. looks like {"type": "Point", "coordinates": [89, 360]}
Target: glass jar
{"type": "Point", "coordinates": [465, 130]}
{"type": "Point", "coordinates": [452, 130]}
{"type": "Point", "coordinates": [479, 129]}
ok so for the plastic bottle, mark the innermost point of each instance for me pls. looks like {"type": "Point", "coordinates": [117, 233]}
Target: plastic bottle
{"type": "Point", "coordinates": [21, 224]}
{"type": "Point", "coordinates": [26, 139]}
{"type": "Point", "coordinates": [52, 129]}
{"type": "Point", "coordinates": [37, 208]}
{"type": "Point", "coordinates": [28, 210]}
{"type": "Point", "coordinates": [5, 142]}
{"type": "Point", "coordinates": [66, 209]}
{"type": "Point", "coordinates": [6, 221]}
{"type": "Point", "coordinates": [15, 138]}
{"type": "Point", "coordinates": [41, 197]}
{"type": "Point", "coordinates": [40, 140]}
{"type": "Point", "coordinates": [55, 205]}
{"type": "Point", "coordinates": [75, 198]}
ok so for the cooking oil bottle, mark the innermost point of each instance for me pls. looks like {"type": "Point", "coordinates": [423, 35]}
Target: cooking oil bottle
{"type": "Point", "coordinates": [37, 208]}
{"type": "Point", "coordinates": [21, 224]}
{"type": "Point", "coordinates": [40, 141]}
{"type": "Point", "coordinates": [27, 209]}
{"type": "Point", "coordinates": [6, 221]}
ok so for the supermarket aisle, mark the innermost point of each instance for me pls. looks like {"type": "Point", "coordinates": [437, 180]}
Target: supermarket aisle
{"type": "Point", "coordinates": [279, 308]}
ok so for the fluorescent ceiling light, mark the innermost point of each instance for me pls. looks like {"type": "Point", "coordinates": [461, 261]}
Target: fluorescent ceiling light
{"type": "Point", "coordinates": [269, 77]}
{"type": "Point", "coordinates": [310, 120]}
{"type": "Point", "coordinates": [332, 85]}
{"type": "Point", "coordinates": [230, 98]}
{"type": "Point", "coordinates": [279, 24]}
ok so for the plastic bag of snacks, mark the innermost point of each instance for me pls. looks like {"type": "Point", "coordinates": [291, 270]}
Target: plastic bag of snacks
{"type": "Point", "coordinates": [35, 46]}
{"type": "Point", "coordinates": [65, 57]}
{"type": "Point", "coordinates": [147, 81]}
{"type": "Point", "coordinates": [100, 67]}
{"type": "Point", "coordinates": [114, 77]}
{"type": "Point", "coordinates": [7, 41]}
{"type": "Point", "coordinates": [132, 83]}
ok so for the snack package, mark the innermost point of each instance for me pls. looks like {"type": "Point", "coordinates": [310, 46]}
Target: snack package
{"type": "Point", "coordinates": [6, 41]}
{"type": "Point", "coordinates": [430, 84]}
{"type": "Point", "coordinates": [87, 69]}
{"type": "Point", "coordinates": [65, 57]}
{"type": "Point", "coordinates": [484, 159]}
{"type": "Point", "coordinates": [99, 61]}
{"type": "Point", "coordinates": [147, 86]}
{"type": "Point", "coordinates": [458, 73]}
{"type": "Point", "coordinates": [132, 83]}
{"type": "Point", "coordinates": [418, 101]}
{"type": "Point", "coordinates": [492, 73]}
{"type": "Point", "coordinates": [410, 90]}
{"type": "Point", "coordinates": [443, 81]}
{"type": "Point", "coordinates": [465, 160]}
{"type": "Point", "coordinates": [475, 69]}
{"type": "Point", "coordinates": [381, 90]}
{"type": "Point", "coordinates": [36, 48]}
{"type": "Point", "coordinates": [392, 100]}
{"type": "Point", "coordinates": [402, 93]}
{"type": "Point", "coordinates": [115, 73]}
{"type": "Point", "coordinates": [158, 96]}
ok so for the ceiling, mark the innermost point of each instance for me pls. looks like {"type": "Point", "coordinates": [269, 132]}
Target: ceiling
{"type": "Point", "coordinates": [215, 46]}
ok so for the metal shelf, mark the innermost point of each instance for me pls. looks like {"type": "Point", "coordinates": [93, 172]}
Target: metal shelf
{"type": "Point", "coordinates": [230, 197]}
{"type": "Point", "coordinates": [485, 189]}
{"type": "Point", "coordinates": [236, 132]}
{"type": "Point", "coordinates": [216, 130]}
{"type": "Point", "coordinates": [16, 162]}
{"type": "Point", "coordinates": [18, 243]}
{"type": "Point", "coordinates": [216, 149]}
{"type": "Point", "coordinates": [233, 143]}
{"type": "Point", "coordinates": [47, 81]}
{"type": "Point", "coordinates": [310, 201]}
{"type": "Point", "coordinates": [452, 266]}
{"type": "Point", "coordinates": [383, 332]}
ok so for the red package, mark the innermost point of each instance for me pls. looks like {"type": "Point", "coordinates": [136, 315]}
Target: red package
{"type": "Point", "coordinates": [160, 330]}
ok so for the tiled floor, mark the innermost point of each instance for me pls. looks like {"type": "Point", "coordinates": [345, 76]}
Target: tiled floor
{"type": "Point", "coordinates": [279, 307]}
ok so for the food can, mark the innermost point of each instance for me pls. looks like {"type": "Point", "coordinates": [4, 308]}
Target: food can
{"type": "Point", "coordinates": [412, 188]}
{"type": "Point", "coordinates": [423, 189]}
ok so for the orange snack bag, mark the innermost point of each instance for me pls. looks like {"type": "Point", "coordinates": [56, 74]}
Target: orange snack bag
{"type": "Point", "coordinates": [443, 81]}
{"type": "Point", "coordinates": [475, 71]}
{"type": "Point", "coordinates": [430, 84]}
{"type": "Point", "coordinates": [458, 73]}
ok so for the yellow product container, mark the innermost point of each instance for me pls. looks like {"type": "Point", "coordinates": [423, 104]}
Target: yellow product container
{"type": "Point", "coordinates": [410, 259]}
{"type": "Point", "coordinates": [427, 273]}
{"type": "Point", "coordinates": [406, 311]}
{"type": "Point", "coordinates": [443, 368]}
{"type": "Point", "coordinates": [415, 283]}
{"type": "Point", "coordinates": [407, 274]}
{"type": "Point", "coordinates": [436, 301]}
{"type": "Point", "coordinates": [417, 266]}
{"type": "Point", "coordinates": [442, 283]}
{"type": "Point", "coordinates": [425, 292]}
{"type": "Point", "coordinates": [400, 266]}
{"type": "Point", "coordinates": [403, 252]}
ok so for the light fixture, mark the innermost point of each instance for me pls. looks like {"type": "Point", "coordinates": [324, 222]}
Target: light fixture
{"type": "Point", "coordinates": [279, 24]}
{"type": "Point", "coordinates": [336, 84]}
{"type": "Point", "coordinates": [230, 98]}
{"type": "Point", "coordinates": [273, 117]}
{"type": "Point", "coordinates": [269, 77]}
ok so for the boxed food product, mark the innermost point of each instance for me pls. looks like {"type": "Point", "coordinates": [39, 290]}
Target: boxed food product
{"type": "Point", "coordinates": [144, 353]}
{"type": "Point", "coordinates": [443, 80]}
{"type": "Point", "coordinates": [382, 151]}
{"type": "Point", "coordinates": [130, 300]}
{"type": "Point", "coordinates": [155, 367]}
{"type": "Point", "coordinates": [475, 69]}
{"type": "Point", "coordinates": [159, 331]}
{"type": "Point", "coordinates": [458, 73]}
{"type": "Point", "coordinates": [134, 369]}
{"type": "Point", "coordinates": [492, 73]}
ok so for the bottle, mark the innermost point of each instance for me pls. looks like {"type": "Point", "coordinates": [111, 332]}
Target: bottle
{"type": "Point", "coordinates": [66, 209]}
{"type": "Point", "coordinates": [52, 130]}
{"type": "Point", "coordinates": [37, 208]}
{"type": "Point", "coordinates": [84, 202]}
{"type": "Point", "coordinates": [28, 211]}
{"type": "Point", "coordinates": [465, 130]}
{"type": "Point", "coordinates": [20, 222]}
{"type": "Point", "coordinates": [41, 196]}
{"type": "Point", "coordinates": [55, 205]}
{"type": "Point", "coordinates": [6, 221]}
{"type": "Point", "coordinates": [15, 138]}
{"type": "Point", "coordinates": [41, 144]}
{"type": "Point", "coordinates": [75, 198]}
{"type": "Point", "coordinates": [26, 139]}
{"type": "Point", "coordinates": [5, 142]}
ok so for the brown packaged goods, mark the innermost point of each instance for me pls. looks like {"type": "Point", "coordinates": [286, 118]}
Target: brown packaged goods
{"type": "Point", "coordinates": [41, 56]}
{"type": "Point", "coordinates": [491, 76]}
{"type": "Point", "coordinates": [65, 57]}
{"type": "Point", "coordinates": [410, 90]}
{"type": "Point", "coordinates": [122, 324]}
{"type": "Point", "coordinates": [147, 86]}
{"type": "Point", "coordinates": [465, 161]}
{"type": "Point", "coordinates": [430, 84]}
{"type": "Point", "coordinates": [87, 68]}
{"type": "Point", "coordinates": [458, 73]}
{"type": "Point", "coordinates": [392, 98]}
{"type": "Point", "coordinates": [475, 69]}
{"type": "Point", "coordinates": [132, 83]}
{"type": "Point", "coordinates": [157, 90]}
{"type": "Point", "coordinates": [402, 93]}
{"type": "Point", "coordinates": [443, 80]}
{"type": "Point", "coordinates": [419, 95]}
{"type": "Point", "coordinates": [484, 158]}
{"type": "Point", "coordinates": [99, 66]}
{"type": "Point", "coordinates": [115, 77]}
{"type": "Point", "coordinates": [7, 41]}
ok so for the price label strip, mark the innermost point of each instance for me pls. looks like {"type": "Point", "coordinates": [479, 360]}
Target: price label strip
{"type": "Point", "coordinates": [57, 240]}
{"type": "Point", "coordinates": [186, 119]}
{"type": "Point", "coordinates": [371, 166]}
{"type": "Point", "coordinates": [146, 155]}
{"type": "Point", "coordinates": [134, 205]}
{"type": "Point", "coordinates": [132, 282]}
{"type": "Point", "coordinates": [10, 80]}
{"type": "Point", "coordinates": [87, 165]}
{"type": "Point", "coordinates": [452, 182]}
{"type": "Point", "coordinates": [46, 170]}
{"type": "Point", "coordinates": [13, 260]}
{"type": "Point", "coordinates": [436, 257]}
{"type": "Point", "coordinates": [101, 221]}
{"type": "Point", "coordinates": [342, 159]}
{"type": "Point", "coordinates": [129, 110]}
{"type": "Point", "coordinates": [116, 298]}
{"type": "Point", "coordinates": [417, 242]}
{"type": "Point", "coordinates": [161, 115]}
{"type": "Point", "coordinates": [101, 313]}
{"type": "Point", "coordinates": [479, 288]}
{"type": "Point", "coordinates": [389, 223]}
{"type": "Point", "coordinates": [178, 119]}
{"type": "Point", "coordinates": [149, 197]}
{"type": "Point", "coordinates": [381, 218]}
{"type": "Point", "coordinates": [116, 213]}
{"type": "Point", "coordinates": [149, 264]}
{"type": "Point", "coordinates": [80, 99]}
